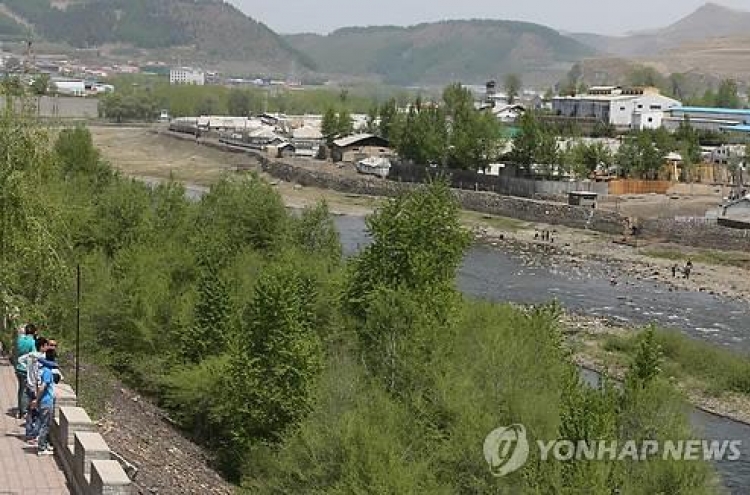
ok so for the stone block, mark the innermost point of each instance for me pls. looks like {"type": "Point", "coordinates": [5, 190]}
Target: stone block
{"type": "Point", "coordinates": [108, 478]}
{"type": "Point", "coordinates": [73, 420]}
{"type": "Point", "coordinates": [66, 397]}
{"type": "Point", "coordinates": [89, 447]}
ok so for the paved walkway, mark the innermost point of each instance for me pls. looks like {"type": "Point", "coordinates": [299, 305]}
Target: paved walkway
{"type": "Point", "coordinates": [21, 471]}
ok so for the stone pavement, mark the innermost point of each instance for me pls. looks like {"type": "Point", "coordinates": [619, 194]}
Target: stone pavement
{"type": "Point", "coordinates": [21, 471]}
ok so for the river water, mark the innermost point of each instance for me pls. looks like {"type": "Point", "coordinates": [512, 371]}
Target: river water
{"type": "Point", "coordinates": [496, 275]}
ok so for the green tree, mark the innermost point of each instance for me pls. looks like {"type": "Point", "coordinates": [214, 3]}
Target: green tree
{"type": "Point", "coordinates": [238, 103]}
{"type": "Point", "coordinates": [421, 134]}
{"type": "Point", "coordinates": [76, 151]}
{"type": "Point", "coordinates": [344, 123]}
{"type": "Point", "coordinates": [329, 125]}
{"type": "Point", "coordinates": [513, 86]}
{"type": "Point", "coordinates": [316, 234]}
{"type": "Point", "coordinates": [474, 137]}
{"type": "Point", "coordinates": [209, 105]}
{"type": "Point", "coordinates": [275, 361]}
{"type": "Point", "coordinates": [210, 330]}
{"type": "Point", "coordinates": [587, 158]}
{"type": "Point", "coordinates": [728, 94]}
{"type": "Point", "coordinates": [372, 121]}
{"type": "Point", "coordinates": [418, 243]}
{"type": "Point", "coordinates": [647, 360]}
{"type": "Point", "coordinates": [388, 112]}
{"type": "Point", "coordinates": [678, 86]}
{"type": "Point", "coordinates": [111, 106]}
{"type": "Point", "coordinates": [534, 144]}
{"type": "Point", "coordinates": [41, 84]}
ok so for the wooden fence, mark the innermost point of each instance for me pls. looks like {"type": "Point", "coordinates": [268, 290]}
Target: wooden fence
{"type": "Point", "coordinates": [635, 186]}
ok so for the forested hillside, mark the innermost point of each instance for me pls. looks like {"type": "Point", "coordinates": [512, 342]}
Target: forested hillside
{"type": "Point", "coordinates": [213, 28]}
{"type": "Point", "coordinates": [470, 51]}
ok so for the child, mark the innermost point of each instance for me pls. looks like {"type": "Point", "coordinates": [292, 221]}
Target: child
{"type": "Point", "coordinates": [45, 402]}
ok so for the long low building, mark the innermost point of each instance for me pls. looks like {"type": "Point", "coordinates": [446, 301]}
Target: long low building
{"type": "Point", "coordinates": [708, 119]}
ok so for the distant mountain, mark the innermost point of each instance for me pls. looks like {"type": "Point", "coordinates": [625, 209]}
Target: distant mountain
{"type": "Point", "coordinates": [708, 22]}
{"type": "Point", "coordinates": [470, 51]}
{"type": "Point", "coordinates": [212, 28]}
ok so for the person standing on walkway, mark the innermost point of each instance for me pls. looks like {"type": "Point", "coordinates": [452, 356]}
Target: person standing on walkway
{"type": "Point", "coordinates": [33, 375]}
{"type": "Point", "coordinates": [45, 402]}
{"type": "Point", "coordinates": [24, 344]}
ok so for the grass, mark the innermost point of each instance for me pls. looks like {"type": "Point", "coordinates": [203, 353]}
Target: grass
{"type": "Point", "coordinates": [688, 360]}
{"type": "Point", "coordinates": [706, 257]}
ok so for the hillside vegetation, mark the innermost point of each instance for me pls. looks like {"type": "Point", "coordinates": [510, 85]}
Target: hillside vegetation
{"type": "Point", "coordinates": [471, 51]}
{"type": "Point", "coordinates": [212, 28]}
{"type": "Point", "coordinates": [302, 371]}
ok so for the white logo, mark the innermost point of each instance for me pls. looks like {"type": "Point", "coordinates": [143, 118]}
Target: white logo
{"type": "Point", "coordinates": [506, 449]}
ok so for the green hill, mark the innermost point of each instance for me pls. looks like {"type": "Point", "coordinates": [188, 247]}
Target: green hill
{"type": "Point", "coordinates": [471, 50]}
{"type": "Point", "coordinates": [212, 27]}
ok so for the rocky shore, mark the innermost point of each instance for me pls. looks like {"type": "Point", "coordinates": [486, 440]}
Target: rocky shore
{"type": "Point", "coordinates": [622, 262]}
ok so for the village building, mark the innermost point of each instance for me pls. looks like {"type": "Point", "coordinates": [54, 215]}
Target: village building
{"type": "Point", "coordinates": [307, 141]}
{"type": "Point", "coordinates": [508, 114]}
{"type": "Point", "coordinates": [281, 149]}
{"type": "Point", "coordinates": [354, 148]}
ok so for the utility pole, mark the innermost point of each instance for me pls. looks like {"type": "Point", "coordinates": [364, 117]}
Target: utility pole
{"type": "Point", "coordinates": [78, 328]}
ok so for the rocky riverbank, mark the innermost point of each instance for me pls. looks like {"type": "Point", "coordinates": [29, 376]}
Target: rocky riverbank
{"type": "Point", "coordinates": [622, 262]}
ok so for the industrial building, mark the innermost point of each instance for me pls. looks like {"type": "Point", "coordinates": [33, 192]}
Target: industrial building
{"type": "Point", "coordinates": [624, 108]}
{"type": "Point", "coordinates": [708, 119]}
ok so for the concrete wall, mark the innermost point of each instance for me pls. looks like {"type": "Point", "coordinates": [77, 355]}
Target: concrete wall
{"type": "Point", "coordinates": [484, 202]}
{"type": "Point", "coordinates": [62, 107]}
{"type": "Point", "coordinates": [84, 455]}
{"type": "Point", "coordinates": [705, 235]}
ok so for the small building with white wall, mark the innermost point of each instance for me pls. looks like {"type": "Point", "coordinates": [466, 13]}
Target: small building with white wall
{"type": "Point", "coordinates": [187, 75]}
{"type": "Point", "coordinates": [68, 87]}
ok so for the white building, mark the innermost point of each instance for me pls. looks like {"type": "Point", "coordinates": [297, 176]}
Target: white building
{"type": "Point", "coordinates": [69, 87]}
{"type": "Point", "coordinates": [621, 107]}
{"type": "Point", "coordinates": [187, 75]}
{"type": "Point", "coordinates": [507, 114]}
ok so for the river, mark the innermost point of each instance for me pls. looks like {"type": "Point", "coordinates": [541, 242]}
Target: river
{"type": "Point", "coordinates": [496, 275]}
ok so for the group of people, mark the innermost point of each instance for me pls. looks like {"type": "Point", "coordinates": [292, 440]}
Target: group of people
{"type": "Point", "coordinates": [35, 360]}
{"type": "Point", "coordinates": [545, 236]}
{"type": "Point", "coordinates": [686, 270]}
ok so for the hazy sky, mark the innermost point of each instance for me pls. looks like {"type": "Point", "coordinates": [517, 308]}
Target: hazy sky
{"type": "Point", "coordinates": [598, 16]}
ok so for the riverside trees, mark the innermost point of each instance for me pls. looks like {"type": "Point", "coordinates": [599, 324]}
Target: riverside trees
{"type": "Point", "coordinates": [451, 132]}
{"type": "Point", "coordinates": [368, 376]}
